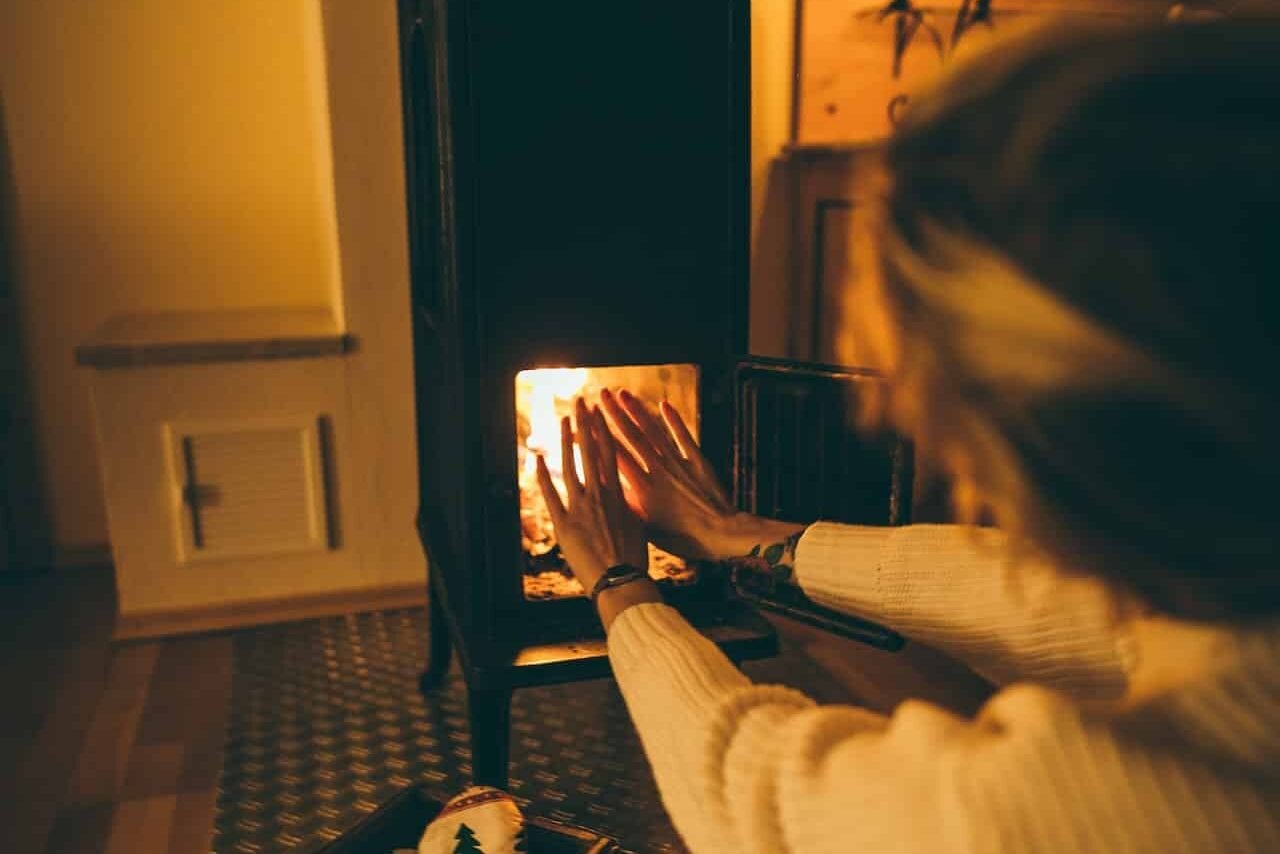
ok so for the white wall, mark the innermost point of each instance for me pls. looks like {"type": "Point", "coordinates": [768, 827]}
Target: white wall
{"type": "Point", "coordinates": [362, 61]}
{"type": "Point", "coordinates": [167, 154]}
{"type": "Point", "coordinates": [215, 154]}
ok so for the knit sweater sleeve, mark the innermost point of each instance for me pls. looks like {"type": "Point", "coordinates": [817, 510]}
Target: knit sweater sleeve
{"type": "Point", "coordinates": [759, 769]}
{"type": "Point", "coordinates": [956, 588]}
{"type": "Point", "coordinates": [746, 768]}
{"type": "Point", "coordinates": [726, 775]}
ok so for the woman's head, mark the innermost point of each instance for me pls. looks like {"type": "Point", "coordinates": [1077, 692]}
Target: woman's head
{"type": "Point", "coordinates": [1078, 253]}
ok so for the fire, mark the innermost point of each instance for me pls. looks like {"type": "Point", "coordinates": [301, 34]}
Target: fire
{"type": "Point", "coordinates": [543, 397]}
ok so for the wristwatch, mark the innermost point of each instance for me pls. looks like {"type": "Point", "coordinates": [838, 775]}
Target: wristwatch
{"type": "Point", "coordinates": [616, 576]}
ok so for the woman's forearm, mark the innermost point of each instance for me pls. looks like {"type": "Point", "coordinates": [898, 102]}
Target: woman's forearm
{"type": "Point", "coordinates": [615, 600]}
{"type": "Point", "coordinates": [765, 544]}
{"type": "Point", "coordinates": [760, 545]}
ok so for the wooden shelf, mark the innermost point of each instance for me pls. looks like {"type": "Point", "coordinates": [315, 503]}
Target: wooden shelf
{"type": "Point", "coordinates": [192, 337]}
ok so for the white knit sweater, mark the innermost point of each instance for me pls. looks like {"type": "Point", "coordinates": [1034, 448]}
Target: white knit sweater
{"type": "Point", "coordinates": [749, 768]}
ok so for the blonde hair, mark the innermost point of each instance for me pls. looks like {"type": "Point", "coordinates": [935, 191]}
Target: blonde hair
{"type": "Point", "coordinates": [1075, 246]}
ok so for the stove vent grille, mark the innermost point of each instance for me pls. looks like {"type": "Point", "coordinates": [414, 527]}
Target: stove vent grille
{"type": "Point", "coordinates": [798, 457]}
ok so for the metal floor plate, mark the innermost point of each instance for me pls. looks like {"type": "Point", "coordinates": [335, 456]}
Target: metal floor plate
{"type": "Point", "coordinates": [326, 723]}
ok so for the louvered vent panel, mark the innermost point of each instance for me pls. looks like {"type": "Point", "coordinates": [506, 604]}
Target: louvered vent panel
{"type": "Point", "coordinates": [798, 458]}
{"type": "Point", "coordinates": [252, 491]}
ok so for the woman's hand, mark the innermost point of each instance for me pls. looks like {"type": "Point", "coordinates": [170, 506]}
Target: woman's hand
{"type": "Point", "coordinates": [595, 527]}
{"type": "Point", "coordinates": [669, 482]}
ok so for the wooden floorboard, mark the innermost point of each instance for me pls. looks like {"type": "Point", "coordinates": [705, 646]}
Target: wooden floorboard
{"type": "Point", "coordinates": [879, 680]}
{"type": "Point", "coordinates": [192, 830]}
{"type": "Point", "coordinates": [105, 752]}
{"type": "Point", "coordinates": [106, 747]}
{"type": "Point", "coordinates": [62, 623]}
{"type": "Point", "coordinates": [81, 830]}
{"type": "Point", "coordinates": [154, 769]}
{"type": "Point", "coordinates": [142, 825]}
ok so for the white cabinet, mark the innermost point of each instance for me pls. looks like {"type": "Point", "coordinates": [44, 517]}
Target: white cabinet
{"type": "Point", "coordinates": [228, 470]}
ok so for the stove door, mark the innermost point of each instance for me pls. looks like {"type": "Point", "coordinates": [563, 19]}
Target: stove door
{"type": "Point", "coordinates": [797, 457]}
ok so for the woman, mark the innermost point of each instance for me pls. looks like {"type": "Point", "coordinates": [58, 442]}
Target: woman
{"type": "Point", "coordinates": [1072, 291]}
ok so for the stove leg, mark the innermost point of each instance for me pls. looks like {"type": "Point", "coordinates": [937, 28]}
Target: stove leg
{"type": "Point", "coordinates": [440, 645]}
{"type": "Point", "coordinates": [490, 735]}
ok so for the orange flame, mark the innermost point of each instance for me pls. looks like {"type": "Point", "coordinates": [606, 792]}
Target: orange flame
{"type": "Point", "coordinates": [543, 397]}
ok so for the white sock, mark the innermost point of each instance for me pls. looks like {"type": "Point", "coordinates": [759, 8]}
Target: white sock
{"type": "Point", "coordinates": [479, 820]}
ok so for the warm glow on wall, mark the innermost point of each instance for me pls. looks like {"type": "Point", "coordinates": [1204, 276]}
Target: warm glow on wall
{"type": "Point", "coordinates": [165, 156]}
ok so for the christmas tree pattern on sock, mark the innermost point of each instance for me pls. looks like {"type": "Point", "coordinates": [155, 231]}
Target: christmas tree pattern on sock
{"type": "Point", "coordinates": [479, 820]}
{"type": "Point", "coordinates": [467, 842]}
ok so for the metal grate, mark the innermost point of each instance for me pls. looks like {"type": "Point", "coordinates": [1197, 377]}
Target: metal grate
{"type": "Point", "coordinates": [327, 723]}
{"type": "Point", "coordinates": [798, 457]}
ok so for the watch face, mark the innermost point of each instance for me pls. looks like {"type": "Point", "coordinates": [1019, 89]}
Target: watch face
{"type": "Point", "coordinates": [619, 571]}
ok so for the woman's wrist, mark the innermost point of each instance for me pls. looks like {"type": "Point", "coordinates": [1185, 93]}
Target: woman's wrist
{"type": "Point", "coordinates": [590, 571]}
{"type": "Point", "coordinates": [613, 601]}
{"type": "Point", "coordinates": [742, 534]}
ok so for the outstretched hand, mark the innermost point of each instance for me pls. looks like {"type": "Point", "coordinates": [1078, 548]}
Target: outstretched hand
{"type": "Point", "coordinates": [668, 480]}
{"type": "Point", "coordinates": [594, 526]}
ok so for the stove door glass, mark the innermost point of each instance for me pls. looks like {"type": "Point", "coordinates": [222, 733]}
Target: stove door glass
{"type": "Point", "coordinates": [543, 397]}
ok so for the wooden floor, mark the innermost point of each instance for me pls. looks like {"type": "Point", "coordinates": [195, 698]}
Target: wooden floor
{"type": "Point", "coordinates": [103, 748]}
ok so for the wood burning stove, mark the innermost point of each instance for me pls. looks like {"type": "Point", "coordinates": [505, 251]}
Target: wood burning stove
{"type": "Point", "coordinates": [578, 217]}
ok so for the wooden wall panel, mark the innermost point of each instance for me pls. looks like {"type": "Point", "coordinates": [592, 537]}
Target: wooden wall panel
{"type": "Point", "coordinates": [848, 74]}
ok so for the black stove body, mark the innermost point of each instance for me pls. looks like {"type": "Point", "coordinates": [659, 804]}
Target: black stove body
{"type": "Point", "coordinates": [578, 191]}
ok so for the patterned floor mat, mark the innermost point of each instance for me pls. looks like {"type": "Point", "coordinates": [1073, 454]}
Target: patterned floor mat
{"type": "Point", "coordinates": [326, 723]}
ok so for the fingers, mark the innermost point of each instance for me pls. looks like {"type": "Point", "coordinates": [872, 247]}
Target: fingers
{"type": "Point", "coordinates": [630, 467]}
{"type": "Point", "coordinates": [701, 469]}
{"type": "Point", "coordinates": [621, 420]}
{"type": "Point", "coordinates": [550, 494]}
{"type": "Point", "coordinates": [567, 461]}
{"type": "Point", "coordinates": [587, 442]}
{"type": "Point", "coordinates": [675, 425]}
{"type": "Point", "coordinates": [607, 452]}
{"type": "Point", "coordinates": [655, 434]}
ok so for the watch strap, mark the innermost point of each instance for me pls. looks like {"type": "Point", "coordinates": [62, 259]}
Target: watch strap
{"type": "Point", "coordinates": [616, 576]}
